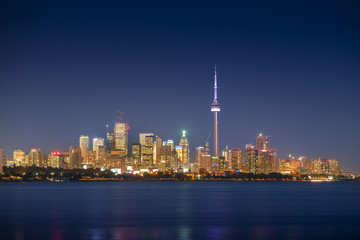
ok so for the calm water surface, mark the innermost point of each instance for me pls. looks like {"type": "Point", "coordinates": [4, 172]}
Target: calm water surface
{"type": "Point", "coordinates": [180, 210]}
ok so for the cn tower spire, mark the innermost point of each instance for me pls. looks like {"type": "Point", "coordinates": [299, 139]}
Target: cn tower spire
{"type": "Point", "coordinates": [215, 107]}
{"type": "Point", "coordinates": [215, 87]}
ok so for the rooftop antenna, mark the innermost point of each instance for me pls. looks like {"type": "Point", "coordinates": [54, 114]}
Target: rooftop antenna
{"type": "Point", "coordinates": [149, 127]}
{"type": "Point", "coordinates": [120, 116]}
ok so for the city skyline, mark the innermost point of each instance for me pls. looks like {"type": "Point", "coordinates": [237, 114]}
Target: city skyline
{"type": "Point", "coordinates": [286, 70]}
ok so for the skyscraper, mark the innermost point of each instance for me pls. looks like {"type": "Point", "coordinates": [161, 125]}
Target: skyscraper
{"type": "Point", "coordinates": [75, 157]}
{"type": "Point", "coordinates": [84, 144]}
{"type": "Point", "coordinates": [215, 107]}
{"type": "Point", "coordinates": [97, 142]}
{"type": "Point", "coordinates": [121, 137]}
{"type": "Point", "coordinates": [147, 147]}
{"type": "Point", "coordinates": [184, 143]}
{"type": "Point", "coordinates": [109, 141]}
{"type": "Point", "coordinates": [259, 141]}
{"type": "Point", "coordinates": [136, 153]}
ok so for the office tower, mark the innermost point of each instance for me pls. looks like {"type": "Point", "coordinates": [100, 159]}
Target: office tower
{"type": "Point", "coordinates": [35, 158]}
{"type": "Point", "coordinates": [325, 166]}
{"type": "Point", "coordinates": [147, 144]}
{"type": "Point", "coordinates": [100, 157]}
{"type": "Point", "coordinates": [136, 153]}
{"type": "Point", "coordinates": [235, 159]}
{"type": "Point", "coordinates": [184, 143]}
{"type": "Point", "coordinates": [109, 142]}
{"type": "Point", "coordinates": [97, 142]}
{"type": "Point", "coordinates": [1, 160]}
{"type": "Point", "coordinates": [225, 153]}
{"type": "Point", "coordinates": [55, 160]}
{"type": "Point", "coordinates": [19, 157]}
{"type": "Point", "coordinates": [221, 163]}
{"type": "Point", "coordinates": [259, 141]}
{"type": "Point", "coordinates": [203, 158]}
{"type": "Point", "coordinates": [121, 137]}
{"type": "Point", "coordinates": [74, 157]}
{"type": "Point", "coordinates": [157, 148]}
{"type": "Point", "coordinates": [166, 158]}
{"type": "Point", "coordinates": [215, 107]}
{"type": "Point", "coordinates": [84, 144]}
{"type": "Point", "coordinates": [171, 144]}
{"type": "Point", "coordinates": [251, 158]}
{"type": "Point", "coordinates": [266, 162]}
{"type": "Point", "coordinates": [142, 137]}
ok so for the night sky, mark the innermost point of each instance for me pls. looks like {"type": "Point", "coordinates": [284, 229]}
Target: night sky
{"type": "Point", "coordinates": [288, 70]}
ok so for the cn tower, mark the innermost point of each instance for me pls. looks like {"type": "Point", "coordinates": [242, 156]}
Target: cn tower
{"type": "Point", "coordinates": [215, 107]}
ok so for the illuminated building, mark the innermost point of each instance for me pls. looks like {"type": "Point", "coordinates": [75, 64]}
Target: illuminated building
{"type": "Point", "coordinates": [235, 159]}
{"type": "Point", "coordinates": [97, 142]}
{"type": "Point", "coordinates": [203, 158]}
{"type": "Point", "coordinates": [180, 150]}
{"type": "Point", "coordinates": [19, 157]}
{"type": "Point", "coordinates": [55, 160]}
{"type": "Point", "coordinates": [84, 144]}
{"type": "Point", "coordinates": [142, 137]}
{"type": "Point", "coordinates": [170, 143]}
{"type": "Point", "coordinates": [325, 166]}
{"type": "Point", "coordinates": [136, 153]}
{"type": "Point", "coordinates": [259, 141]}
{"type": "Point", "coordinates": [294, 165]}
{"type": "Point", "coordinates": [35, 158]}
{"type": "Point", "coordinates": [100, 157]}
{"type": "Point", "coordinates": [147, 150]}
{"type": "Point", "coordinates": [184, 143]}
{"type": "Point", "coordinates": [266, 162]}
{"type": "Point", "coordinates": [226, 153]}
{"type": "Point", "coordinates": [157, 148]}
{"type": "Point", "coordinates": [1, 159]}
{"type": "Point", "coordinates": [215, 107]}
{"type": "Point", "coordinates": [121, 137]}
{"type": "Point", "coordinates": [109, 142]}
{"type": "Point", "coordinates": [166, 159]}
{"type": "Point", "coordinates": [251, 159]}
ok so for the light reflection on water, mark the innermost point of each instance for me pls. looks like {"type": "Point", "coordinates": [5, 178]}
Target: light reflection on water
{"type": "Point", "coordinates": [177, 210]}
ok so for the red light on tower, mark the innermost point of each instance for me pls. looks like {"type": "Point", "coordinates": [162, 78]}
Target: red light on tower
{"type": "Point", "coordinates": [128, 128]}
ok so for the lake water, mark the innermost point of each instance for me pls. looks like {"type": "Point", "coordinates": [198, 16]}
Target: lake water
{"type": "Point", "coordinates": [180, 210]}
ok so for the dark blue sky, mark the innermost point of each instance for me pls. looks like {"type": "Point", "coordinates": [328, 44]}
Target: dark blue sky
{"type": "Point", "coordinates": [289, 70]}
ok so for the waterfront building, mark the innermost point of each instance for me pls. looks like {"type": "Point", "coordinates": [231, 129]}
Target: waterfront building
{"type": "Point", "coordinates": [74, 157]}
{"type": "Point", "coordinates": [157, 149]}
{"type": "Point", "coordinates": [184, 143]}
{"type": "Point", "coordinates": [35, 158]}
{"type": "Point", "coordinates": [325, 166]}
{"type": "Point", "coordinates": [203, 158]}
{"type": "Point", "coordinates": [121, 137]}
{"type": "Point", "coordinates": [84, 144]}
{"type": "Point", "coordinates": [147, 150]}
{"type": "Point", "coordinates": [251, 159]}
{"type": "Point", "coordinates": [55, 160]}
{"type": "Point", "coordinates": [235, 159]}
{"type": "Point", "coordinates": [226, 153]}
{"type": "Point", "coordinates": [136, 153]}
{"type": "Point", "coordinates": [166, 158]}
{"type": "Point", "coordinates": [19, 157]}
